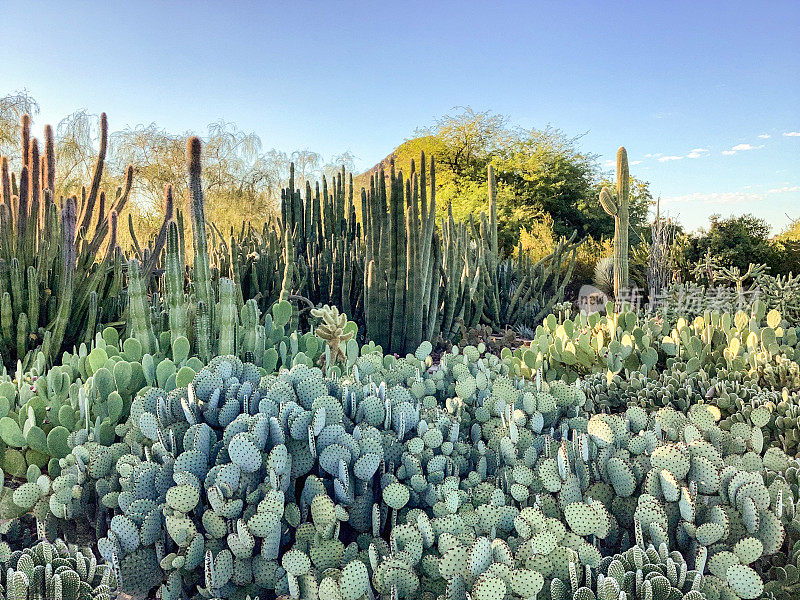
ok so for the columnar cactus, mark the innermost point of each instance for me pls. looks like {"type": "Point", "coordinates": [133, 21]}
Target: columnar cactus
{"type": "Point", "coordinates": [201, 273]}
{"type": "Point", "coordinates": [58, 284]}
{"type": "Point", "coordinates": [174, 281]}
{"type": "Point", "coordinates": [618, 208]}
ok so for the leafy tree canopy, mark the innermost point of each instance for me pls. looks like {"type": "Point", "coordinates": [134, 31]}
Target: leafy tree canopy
{"type": "Point", "coordinates": [539, 172]}
{"type": "Point", "coordinates": [736, 242]}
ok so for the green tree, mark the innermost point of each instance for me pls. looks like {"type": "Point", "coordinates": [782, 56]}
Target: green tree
{"type": "Point", "coordinates": [736, 242]}
{"type": "Point", "coordinates": [540, 172]}
{"type": "Point", "coordinates": [468, 140]}
{"type": "Point", "coordinates": [546, 173]}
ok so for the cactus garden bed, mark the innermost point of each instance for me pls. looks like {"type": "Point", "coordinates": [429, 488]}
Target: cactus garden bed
{"type": "Point", "coordinates": [227, 443]}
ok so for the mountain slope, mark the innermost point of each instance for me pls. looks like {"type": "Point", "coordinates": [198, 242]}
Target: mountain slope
{"type": "Point", "coordinates": [402, 156]}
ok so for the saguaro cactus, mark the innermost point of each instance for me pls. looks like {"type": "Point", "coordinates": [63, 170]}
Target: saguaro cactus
{"type": "Point", "coordinates": [618, 208]}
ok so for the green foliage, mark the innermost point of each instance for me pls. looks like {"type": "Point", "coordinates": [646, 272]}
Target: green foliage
{"type": "Point", "coordinates": [546, 174]}
{"type": "Point", "coordinates": [738, 242]}
{"type": "Point", "coordinates": [539, 173]}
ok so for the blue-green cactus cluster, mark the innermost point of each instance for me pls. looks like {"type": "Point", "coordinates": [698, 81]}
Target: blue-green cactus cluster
{"type": "Point", "coordinates": [398, 476]}
{"type": "Point", "coordinates": [54, 571]}
{"type": "Point", "coordinates": [85, 399]}
{"type": "Point", "coordinates": [759, 345]}
{"type": "Point", "coordinates": [404, 478]}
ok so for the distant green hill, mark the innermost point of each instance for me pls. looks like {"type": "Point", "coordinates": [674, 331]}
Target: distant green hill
{"type": "Point", "coordinates": [402, 155]}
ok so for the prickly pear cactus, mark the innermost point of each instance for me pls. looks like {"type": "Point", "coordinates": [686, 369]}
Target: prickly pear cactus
{"type": "Point", "coordinates": [57, 571]}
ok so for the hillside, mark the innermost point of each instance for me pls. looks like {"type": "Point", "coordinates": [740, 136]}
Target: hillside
{"type": "Point", "coordinates": [402, 156]}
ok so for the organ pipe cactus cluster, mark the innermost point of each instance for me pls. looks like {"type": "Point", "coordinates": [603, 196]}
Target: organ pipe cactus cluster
{"type": "Point", "coordinates": [401, 287]}
{"type": "Point", "coordinates": [393, 270]}
{"type": "Point", "coordinates": [60, 266]}
{"type": "Point", "coordinates": [619, 207]}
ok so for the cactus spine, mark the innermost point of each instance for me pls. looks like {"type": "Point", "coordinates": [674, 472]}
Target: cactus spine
{"type": "Point", "coordinates": [618, 208]}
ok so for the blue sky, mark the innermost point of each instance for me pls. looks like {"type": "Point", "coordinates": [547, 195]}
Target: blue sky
{"type": "Point", "coordinates": [705, 95]}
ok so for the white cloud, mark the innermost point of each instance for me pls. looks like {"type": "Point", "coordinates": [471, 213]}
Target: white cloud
{"type": "Point", "coordinates": [741, 148]}
{"type": "Point", "coordinates": [784, 190]}
{"type": "Point", "coordinates": [791, 133]}
{"type": "Point", "coordinates": [722, 198]}
{"type": "Point", "coordinates": [698, 153]}
{"type": "Point", "coordinates": [635, 162]}
{"type": "Point", "coordinates": [714, 198]}
{"type": "Point", "coordinates": [652, 155]}
{"type": "Point", "coordinates": [765, 136]}
{"type": "Point", "coordinates": [669, 158]}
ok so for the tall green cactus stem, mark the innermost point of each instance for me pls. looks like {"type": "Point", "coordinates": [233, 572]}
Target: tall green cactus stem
{"type": "Point", "coordinates": [69, 217]}
{"type": "Point", "coordinates": [288, 269]}
{"type": "Point", "coordinates": [201, 273]}
{"type": "Point", "coordinates": [420, 224]}
{"type": "Point", "coordinates": [618, 208]}
{"type": "Point", "coordinates": [203, 332]}
{"type": "Point", "coordinates": [414, 271]}
{"type": "Point", "coordinates": [174, 272]}
{"type": "Point", "coordinates": [492, 257]}
{"type": "Point", "coordinates": [91, 324]}
{"type": "Point", "coordinates": [49, 171]}
{"type": "Point", "coordinates": [228, 317]}
{"type": "Point", "coordinates": [376, 286]}
{"type": "Point", "coordinates": [401, 279]}
{"type": "Point", "coordinates": [33, 300]}
{"type": "Point", "coordinates": [7, 319]}
{"type": "Point", "coordinates": [141, 328]}
{"type": "Point", "coordinates": [397, 266]}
